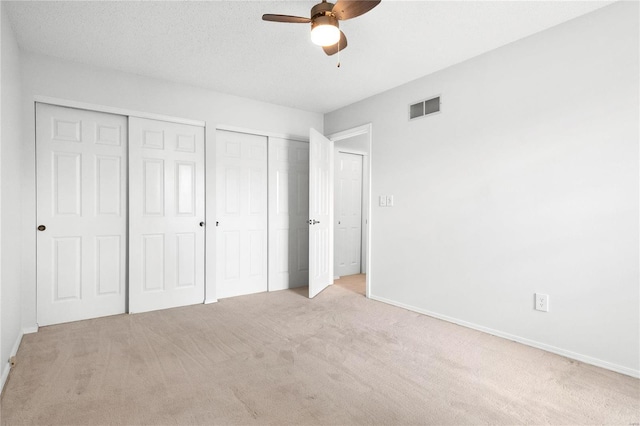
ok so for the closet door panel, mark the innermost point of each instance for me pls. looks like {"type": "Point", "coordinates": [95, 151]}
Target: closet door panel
{"type": "Point", "coordinates": [166, 238]}
{"type": "Point", "coordinates": [81, 199]}
{"type": "Point", "coordinates": [241, 213]}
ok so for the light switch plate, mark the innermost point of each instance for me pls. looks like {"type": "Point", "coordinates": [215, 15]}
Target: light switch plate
{"type": "Point", "coordinates": [383, 201]}
{"type": "Point", "coordinates": [389, 200]}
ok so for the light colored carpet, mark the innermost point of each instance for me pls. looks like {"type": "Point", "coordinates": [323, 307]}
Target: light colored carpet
{"type": "Point", "coordinates": [279, 358]}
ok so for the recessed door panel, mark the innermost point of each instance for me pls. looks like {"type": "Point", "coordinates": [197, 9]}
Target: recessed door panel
{"type": "Point", "coordinates": [231, 189]}
{"type": "Point", "coordinates": [231, 252]}
{"type": "Point", "coordinates": [108, 257]}
{"type": "Point", "coordinates": [166, 240]}
{"type": "Point", "coordinates": [153, 139]}
{"type": "Point", "coordinates": [67, 269]}
{"type": "Point", "coordinates": [185, 188]}
{"type": "Point", "coordinates": [241, 213]}
{"type": "Point", "coordinates": [66, 130]}
{"type": "Point", "coordinates": [153, 262]}
{"type": "Point", "coordinates": [282, 251]}
{"type": "Point", "coordinates": [108, 185]}
{"type": "Point", "coordinates": [108, 135]}
{"type": "Point", "coordinates": [67, 183]}
{"type": "Point", "coordinates": [257, 253]}
{"type": "Point", "coordinates": [257, 190]}
{"type": "Point", "coordinates": [302, 242]}
{"type": "Point", "coordinates": [186, 262]}
{"type": "Point", "coordinates": [153, 187]}
{"type": "Point", "coordinates": [186, 143]}
{"type": "Point", "coordinates": [282, 192]}
{"type": "Point", "coordinates": [81, 187]}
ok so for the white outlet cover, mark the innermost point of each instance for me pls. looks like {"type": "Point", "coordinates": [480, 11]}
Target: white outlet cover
{"type": "Point", "coordinates": [542, 302]}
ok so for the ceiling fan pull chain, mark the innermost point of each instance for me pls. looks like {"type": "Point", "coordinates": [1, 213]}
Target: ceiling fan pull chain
{"type": "Point", "coordinates": [338, 53]}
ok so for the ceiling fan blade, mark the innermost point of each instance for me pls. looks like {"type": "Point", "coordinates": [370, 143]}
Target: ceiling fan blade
{"type": "Point", "coordinates": [347, 9]}
{"type": "Point", "coordinates": [285, 18]}
{"type": "Point", "coordinates": [335, 48]}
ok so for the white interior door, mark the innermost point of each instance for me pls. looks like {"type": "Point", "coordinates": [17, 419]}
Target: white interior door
{"type": "Point", "coordinates": [348, 213]}
{"type": "Point", "coordinates": [166, 214]}
{"type": "Point", "coordinates": [241, 213]}
{"type": "Point", "coordinates": [288, 213]}
{"type": "Point", "coordinates": [81, 198]}
{"type": "Point", "coordinates": [320, 213]}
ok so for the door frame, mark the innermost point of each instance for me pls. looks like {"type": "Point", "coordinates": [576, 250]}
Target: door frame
{"type": "Point", "coordinates": [365, 129]}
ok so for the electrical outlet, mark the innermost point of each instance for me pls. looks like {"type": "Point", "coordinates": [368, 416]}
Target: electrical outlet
{"type": "Point", "coordinates": [542, 302]}
{"type": "Point", "coordinates": [383, 201]}
{"type": "Point", "coordinates": [389, 200]}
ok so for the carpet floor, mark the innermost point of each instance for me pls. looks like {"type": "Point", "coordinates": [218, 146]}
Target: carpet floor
{"type": "Point", "coordinates": [280, 358]}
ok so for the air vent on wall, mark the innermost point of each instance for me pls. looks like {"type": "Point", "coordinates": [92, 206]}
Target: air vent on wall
{"type": "Point", "coordinates": [423, 108]}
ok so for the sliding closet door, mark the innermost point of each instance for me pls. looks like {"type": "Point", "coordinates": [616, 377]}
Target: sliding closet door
{"type": "Point", "coordinates": [241, 213]}
{"type": "Point", "coordinates": [82, 205]}
{"type": "Point", "coordinates": [166, 214]}
{"type": "Point", "coordinates": [288, 214]}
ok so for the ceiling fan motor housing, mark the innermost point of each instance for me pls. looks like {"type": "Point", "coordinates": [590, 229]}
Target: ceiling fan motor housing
{"type": "Point", "coordinates": [322, 9]}
{"type": "Point", "coordinates": [324, 20]}
{"type": "Point", "coordinates": [321, 14]}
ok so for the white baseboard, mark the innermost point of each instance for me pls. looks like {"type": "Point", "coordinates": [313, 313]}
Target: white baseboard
{"type": "Point", "coordinates": [559, 351]}
{"type": "Point", "coordinates": [5, 375]}
{"type": "Point", "coordinates": [209, 301]}
{"type": "Point", "coordinates": [6, 368]}
{"type": "Point", "coordinates": [29, 330]}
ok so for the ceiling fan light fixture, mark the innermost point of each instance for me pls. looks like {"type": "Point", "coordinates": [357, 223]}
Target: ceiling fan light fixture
{"type": "Point", "coordinates": [325, 31]}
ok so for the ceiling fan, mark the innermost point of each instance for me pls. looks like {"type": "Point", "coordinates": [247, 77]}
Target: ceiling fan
{"type": "Point", "coordinates": [324, 21]}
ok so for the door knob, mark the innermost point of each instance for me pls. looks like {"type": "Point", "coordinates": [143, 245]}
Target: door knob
{"type": "Point", "coordinates": [201, 223]}
{"type": "Point", "coordinates": [41, 228]}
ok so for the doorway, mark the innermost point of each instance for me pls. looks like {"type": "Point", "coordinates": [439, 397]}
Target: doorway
{"type": "Point", "coordinates": [352, 252]}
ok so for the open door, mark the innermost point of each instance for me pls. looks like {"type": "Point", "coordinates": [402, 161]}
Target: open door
{"type": "Point", "coordinates": [320, 212]}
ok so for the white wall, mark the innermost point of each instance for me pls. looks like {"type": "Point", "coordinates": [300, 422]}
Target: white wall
{"type": "Point", "coordinates": [10, 215]}
{"type": "Point", "coordinates": [45, 76]}
{"type": "Point", "coordinates": [528, 181]}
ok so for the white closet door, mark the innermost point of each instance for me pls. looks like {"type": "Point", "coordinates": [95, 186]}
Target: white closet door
{"type": "Point", "coordinates": [348, 213]}
{"type": "Point", "coordinates": [320, 213]}
{"type": "Point", "coordinates": [241, 204]}
{"type": "Point", "coordinates": [81, 198]}
{"type": "Point", "coordinates": [166, 210]}
{"type": "Point", "coordinates": [288, 214]}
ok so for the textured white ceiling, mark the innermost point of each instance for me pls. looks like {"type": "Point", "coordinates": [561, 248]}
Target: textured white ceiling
{"type": "Point", "coordinates": [225, 46]}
